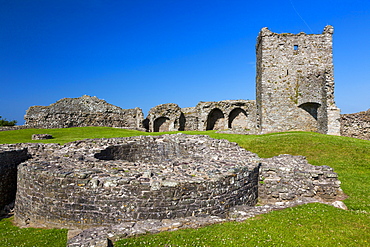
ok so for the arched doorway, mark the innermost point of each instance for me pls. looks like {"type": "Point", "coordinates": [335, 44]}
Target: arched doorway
{"type": "Point", "coordinates": [161, 124]}
{"type": "Point", "coordinates": [216, 120]}
{"type": "Point", "coordinates": [311, 116]}
{"type": "Point", "coordinates": [238, 119]}
{"type": "Point", "coordinates": [311, 108]}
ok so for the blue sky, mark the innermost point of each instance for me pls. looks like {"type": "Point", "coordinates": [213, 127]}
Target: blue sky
{"type": "Point", "coordinates": [144, 53]}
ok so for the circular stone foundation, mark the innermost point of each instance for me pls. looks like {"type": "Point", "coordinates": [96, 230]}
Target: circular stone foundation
{"type": "Point", "coordinates": [108, 181]}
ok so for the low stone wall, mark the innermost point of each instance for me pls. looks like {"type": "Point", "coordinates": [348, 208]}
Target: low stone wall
{"type": "Point", "coordinates": [106, 236]}
{"type": "Point", "coordinates": [16, 127]}
{"type": "Point", "coordinates": [108, 181]}
{"type": "Point", "coordinates": [287, 178]}
{"type": "Point", "coordinates": [356, 125]}
{"type": "Point", "coordinates": [81, 112]}
{"type": "Point", "coordinates": [10, 158]}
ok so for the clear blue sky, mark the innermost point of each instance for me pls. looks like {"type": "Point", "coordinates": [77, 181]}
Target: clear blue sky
{"type": "Point", "coordinates": [138, 53]}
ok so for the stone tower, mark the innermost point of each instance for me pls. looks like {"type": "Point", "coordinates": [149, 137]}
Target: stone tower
{"type": "Point", "coordinates": [295, 83]}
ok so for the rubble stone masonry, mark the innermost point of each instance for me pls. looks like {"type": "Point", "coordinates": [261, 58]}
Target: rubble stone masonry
{"type": "Point", "coordinates": [103, 182]}
{"type": "Point", "coordinates": [83, 111]}
{"type": "Point", "coordinates": [294, 82]}
{"type": "Point", "coordinates": [356, 125]}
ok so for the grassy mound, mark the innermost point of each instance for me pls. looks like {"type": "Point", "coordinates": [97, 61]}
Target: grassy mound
{"type": "Point", "coordinates": [308, 225]}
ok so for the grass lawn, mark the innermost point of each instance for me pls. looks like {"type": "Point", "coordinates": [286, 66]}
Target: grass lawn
{"type": "Point", "coordinates": [307, 225]}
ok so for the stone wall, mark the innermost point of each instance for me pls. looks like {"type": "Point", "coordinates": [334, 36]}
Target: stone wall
{"type": "Point", "coordinates": [287, 178]}
{"type": "Point", "coordinates": [356, 125]}
{"type": "Point", "coordinates": [166, 117]}
{"type": "Point", "coordinates": [10, 158]}
{"type": "Point", "coordinates": [83, 111]}
{"type": "Point", "coordinates": [191, 118]}
{"type": "Point", "coordinates": [108, 181]}
{"type": "Point", "coordinates": [221, 115]}
{"type": "Point", "coordinates": [227, 114]}
{"type": "Point", "coordinates": [294, 82]}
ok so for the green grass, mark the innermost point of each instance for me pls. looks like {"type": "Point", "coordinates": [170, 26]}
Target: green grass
{"type": "Point", "coordinates": [62, 136]}
{"type": "Point", "coordinates": [308, 225]}
{"type": "Point", "coordinates": [29, 237]}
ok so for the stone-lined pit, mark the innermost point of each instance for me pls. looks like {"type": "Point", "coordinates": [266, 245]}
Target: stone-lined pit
{"type": "Point", "coordinates": [108, 181]}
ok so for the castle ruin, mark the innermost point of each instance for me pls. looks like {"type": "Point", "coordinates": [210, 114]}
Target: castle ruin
{"type": "Point", "coordinates": [295, 83]}
{"type": "Point", "coordinates": [135, 180]}
{"type": "Point", "coordinates": [294, 92]}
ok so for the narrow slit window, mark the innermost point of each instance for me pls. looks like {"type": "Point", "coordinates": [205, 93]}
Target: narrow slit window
{"type": "Point", "coordinates": [296, 47]}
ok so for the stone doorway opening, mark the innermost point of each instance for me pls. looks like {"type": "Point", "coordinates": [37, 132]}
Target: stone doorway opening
{"type": "Point", "coordinates": [216, 120]}
{"type": "Point", "coordinates": [161, 124]}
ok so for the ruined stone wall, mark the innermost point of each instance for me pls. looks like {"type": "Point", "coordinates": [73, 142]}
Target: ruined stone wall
{"type": "Point", "coordinates": [221, 115]}
{"type": "Point", "coordinates": [83, 111]}
{"type": "Point", "coordinates": [227, 114]}
{"type": "Point", "coordinates": [109, 181]}
{"type": "Point", "coordinates": [191, 118]}
{"type": "Point", "coordinates": [103, 182]}
{"type": "Point", "coordinates": [16, 127]}
{"type": "Point", "coordinates": [294, 82]}
{"type": "Point", "coordinates": [166, 117]}
{"type": "Point", "coordinates": [356, 125]}
{"type": "Point", "coordinates": [286, 178]}
{"type": "Point", "coordinates": [10, 158]}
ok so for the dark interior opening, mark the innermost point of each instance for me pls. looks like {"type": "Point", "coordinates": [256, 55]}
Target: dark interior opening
{"type": "Point", "coordinates": [213, 118]}
{"type": "Point", "coordinates": [311, 108]}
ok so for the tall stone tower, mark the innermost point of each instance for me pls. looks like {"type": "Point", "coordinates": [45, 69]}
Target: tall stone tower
{"type": "Point", "coordinates": [295, 83]}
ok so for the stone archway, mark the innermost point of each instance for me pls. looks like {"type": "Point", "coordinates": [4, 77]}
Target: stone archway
{"type": "Point", "coordinates": [312, 116]}
{"type": "Point", "coordinates": [238, 119]}
{"type": "Point", "coordinates": [216, 120]}
{"type": "Point", "coordinates": [311, 108]}
{"type": "Point", "coordinates": [161, 124]}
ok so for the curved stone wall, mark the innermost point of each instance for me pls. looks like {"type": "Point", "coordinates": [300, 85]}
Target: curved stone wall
{"type": "Point", "coordinates": [108, 181]}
